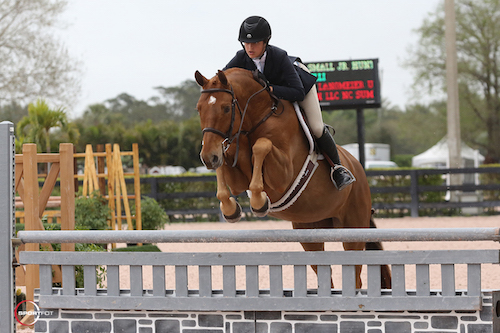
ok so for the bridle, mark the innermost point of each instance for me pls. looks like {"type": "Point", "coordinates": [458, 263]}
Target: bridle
{"type": "Point", "coordinates": [228, 136]}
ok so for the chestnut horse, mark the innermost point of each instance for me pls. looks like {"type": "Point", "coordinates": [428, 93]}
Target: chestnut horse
{"type": "Point", "coordinates": [256, 144]}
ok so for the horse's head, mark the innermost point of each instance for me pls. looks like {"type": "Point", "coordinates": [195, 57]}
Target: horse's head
{"type": "Point", "coordinates": [217, 110]}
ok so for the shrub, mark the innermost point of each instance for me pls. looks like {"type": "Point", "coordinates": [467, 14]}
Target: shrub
{"type": "Point", "coordinates": [92, 213]}
{"type": "Point", "coordinates": [79, 277]}
{"type": "Point", "coordinates": [100, 272]}
{"type": "Point", "coordinates": [153, 217]}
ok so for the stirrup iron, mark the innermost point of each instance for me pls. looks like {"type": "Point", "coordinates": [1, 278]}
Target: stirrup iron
{"type": "Point", "coordinates": [337, 167]}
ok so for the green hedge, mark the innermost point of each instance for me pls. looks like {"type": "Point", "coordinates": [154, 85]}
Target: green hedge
{"type": "Point", "coordinates": [374, 181]}
{"type": "Point", "coordinates": [138, 248]}
{"type": "Point", "coordinates": [405, 181]}
{"type": "Point", "coordinates": [193, 203]}
{"type": "Point", "coordinates": [153, 216]}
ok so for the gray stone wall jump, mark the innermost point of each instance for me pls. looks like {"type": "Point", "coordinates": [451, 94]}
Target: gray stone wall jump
{"type": "Point", "coordinates": [76, 321]}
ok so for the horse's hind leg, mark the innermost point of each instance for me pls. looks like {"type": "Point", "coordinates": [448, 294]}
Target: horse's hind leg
{"type": "Point", "coordinates": [385, 272]}
{"type": "Point", "coordinates": [350, 221]}
{"type": "Point", "coordinates": [314, 246]}
{"type": "Point", "coordinates": [356, 246]}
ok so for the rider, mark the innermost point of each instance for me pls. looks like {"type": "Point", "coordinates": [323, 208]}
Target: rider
{"type": "Point", "coordinates": [289, 81]}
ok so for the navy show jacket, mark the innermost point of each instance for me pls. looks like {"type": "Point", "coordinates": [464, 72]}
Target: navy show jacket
{"type": "Point", "coordinates": [278, 70]}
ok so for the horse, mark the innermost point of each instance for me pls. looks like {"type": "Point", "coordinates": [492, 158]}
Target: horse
{"type": "Point", "coordinates": [256, 144]}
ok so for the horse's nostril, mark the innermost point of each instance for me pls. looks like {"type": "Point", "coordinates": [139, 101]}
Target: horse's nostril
{"type": "Point", "coordinates": [215, 160]}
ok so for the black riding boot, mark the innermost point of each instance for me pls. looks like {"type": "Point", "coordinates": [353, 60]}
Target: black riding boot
{"type": "Point", "coordinates": [340, 175]}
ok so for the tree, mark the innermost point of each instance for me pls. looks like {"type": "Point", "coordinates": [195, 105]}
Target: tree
{"type": "Point", "coordinates": [478, 54]}
{"type": "Point", "coordinates": [13, 112]}
{"type": "Point", "coordinates": [133, 110]}
{"type": "Point", "coordinates": [166, 127]}
{"type": "Point", "coordinates": [416, 129]}
{"type": "Point", "coordinates": [152, 139]}
{"type": "Point", "coordinates": [32, 61]}
{"type": "Point", "coordinates": [98, 125]}
{"type": "Point", "coordinates": [40, 120]}
{"type": "Point", "coordinates": [181, 100]}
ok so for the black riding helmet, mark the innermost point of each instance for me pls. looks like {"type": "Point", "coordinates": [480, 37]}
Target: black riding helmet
{"type": "Point", "coordinates": [255, 29]}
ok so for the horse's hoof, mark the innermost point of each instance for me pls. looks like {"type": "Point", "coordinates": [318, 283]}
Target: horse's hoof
{"type": "Point", "coordinates": [264, 210]}
{"type": "Point", "coordinates": [236, 216]}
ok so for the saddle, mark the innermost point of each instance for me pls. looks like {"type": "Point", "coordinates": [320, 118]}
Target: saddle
{"type": "Point", "coordinates": [309, 167]}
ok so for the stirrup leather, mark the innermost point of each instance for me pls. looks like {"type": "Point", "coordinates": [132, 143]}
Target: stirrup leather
{"type": "Point", "coordinates": [352, 180]}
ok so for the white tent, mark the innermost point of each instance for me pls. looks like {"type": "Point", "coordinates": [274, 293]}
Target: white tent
{"type": "Point", "coordinates": [438, 156]}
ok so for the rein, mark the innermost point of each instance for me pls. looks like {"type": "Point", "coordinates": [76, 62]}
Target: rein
{"type": "Point", "coordinates": [228, 136]}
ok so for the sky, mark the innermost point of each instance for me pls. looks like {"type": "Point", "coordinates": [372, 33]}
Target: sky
{"type": "Point", "coordinates": [132, 46]}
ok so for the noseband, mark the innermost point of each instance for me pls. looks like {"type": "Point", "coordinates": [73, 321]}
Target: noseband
{"type": "Point", "coordinates": [228, 136]}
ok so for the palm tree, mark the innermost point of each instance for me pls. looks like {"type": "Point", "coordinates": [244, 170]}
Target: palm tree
{"type": "Point", "coordinates": [40, 120]}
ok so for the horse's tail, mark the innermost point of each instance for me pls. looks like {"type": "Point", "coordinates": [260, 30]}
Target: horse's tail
{"type": "Point", "coordinates": [384, 269]}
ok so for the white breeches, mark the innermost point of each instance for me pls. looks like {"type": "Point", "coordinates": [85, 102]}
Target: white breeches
{"type": "Point", "coordinates": [311, 107]}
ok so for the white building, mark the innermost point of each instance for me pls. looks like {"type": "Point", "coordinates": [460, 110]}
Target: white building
{"type": "Point", "coordinates": [373, 151]}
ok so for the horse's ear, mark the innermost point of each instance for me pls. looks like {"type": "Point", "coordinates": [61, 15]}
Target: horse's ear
{"type": "Point", "coordinates": [200, 79]}
{"type": "Point", "coordinates": [222, 77]}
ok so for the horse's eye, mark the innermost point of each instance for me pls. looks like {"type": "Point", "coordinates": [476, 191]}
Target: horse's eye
{"type": "Point", "coordinates": [227, 109]}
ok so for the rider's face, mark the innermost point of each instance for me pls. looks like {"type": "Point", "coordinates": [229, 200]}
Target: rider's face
{"type": "Point", "coordinates": [255, 50]}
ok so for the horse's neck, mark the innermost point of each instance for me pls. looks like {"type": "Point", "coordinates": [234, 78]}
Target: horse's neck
{"type": "Point", "coordinates": [259, 105]}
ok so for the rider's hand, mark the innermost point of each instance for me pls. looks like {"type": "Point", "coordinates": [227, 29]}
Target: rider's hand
{"type": "Point", "coordinates": [261, 78]}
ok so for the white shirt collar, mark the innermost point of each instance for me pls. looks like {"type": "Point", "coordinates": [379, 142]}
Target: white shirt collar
{"type": "Point", "coordinates": [260, 62]}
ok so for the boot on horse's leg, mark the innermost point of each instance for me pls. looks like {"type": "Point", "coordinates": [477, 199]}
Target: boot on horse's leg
{"type": "Point", "coordinates": [232, 217]}
{"type": "Point", "coordinates": [340, 175]}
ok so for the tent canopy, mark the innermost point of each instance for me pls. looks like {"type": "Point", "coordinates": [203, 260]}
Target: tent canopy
{"type": "Point", "coordinates": [438, 156]}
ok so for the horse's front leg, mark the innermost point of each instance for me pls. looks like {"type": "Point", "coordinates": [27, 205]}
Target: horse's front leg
{"type": "Point", "coordinates": [278, 174]}
{"type": "Point", "coordinates": [259, 201]}
{"type": "Point", "coordinates": [229, 207]}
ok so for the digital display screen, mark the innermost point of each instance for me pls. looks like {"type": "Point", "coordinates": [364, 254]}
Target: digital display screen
{"type": "Point", "coordinates": [348, 84]}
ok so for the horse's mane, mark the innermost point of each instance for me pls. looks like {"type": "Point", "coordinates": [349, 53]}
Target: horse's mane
{"type": "Point", "coordinates": [244, 78]}
{"type": "Point", "coordinates": [236, 71]}
{"type": "Point", "coordinates": [235, 76]}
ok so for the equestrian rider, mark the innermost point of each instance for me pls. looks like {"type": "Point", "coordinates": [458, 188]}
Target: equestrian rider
{"type": "Point", "coordinates": [290, 80]}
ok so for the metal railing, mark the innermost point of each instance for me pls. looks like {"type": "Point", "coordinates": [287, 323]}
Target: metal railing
{"type": "Point", "coordinates": [252, 297]}
{"type": "Point", "coordinates": [7, 208]}
{"type": "Point", "coordinates": [235, 236]}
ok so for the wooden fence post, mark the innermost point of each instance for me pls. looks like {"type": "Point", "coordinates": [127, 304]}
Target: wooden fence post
{"type": "Point", "coordinates": [111, 184]}
{"type": "Point", "coordinates": [90, 182]}
{"type": "Point", "coordinates": [67, 186]}
{"type": "Point", "coordinates": [101, 170]}
{"type": "Point", "coordinates": [137, 187]}
{"type": "Point", "coordinates": [31, 209]}
{"type": "Point", "coordinates": [120, 184]}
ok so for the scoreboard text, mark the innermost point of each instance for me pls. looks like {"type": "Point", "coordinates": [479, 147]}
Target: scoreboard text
{"type": "Point", "coordinates": [347, 84]}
